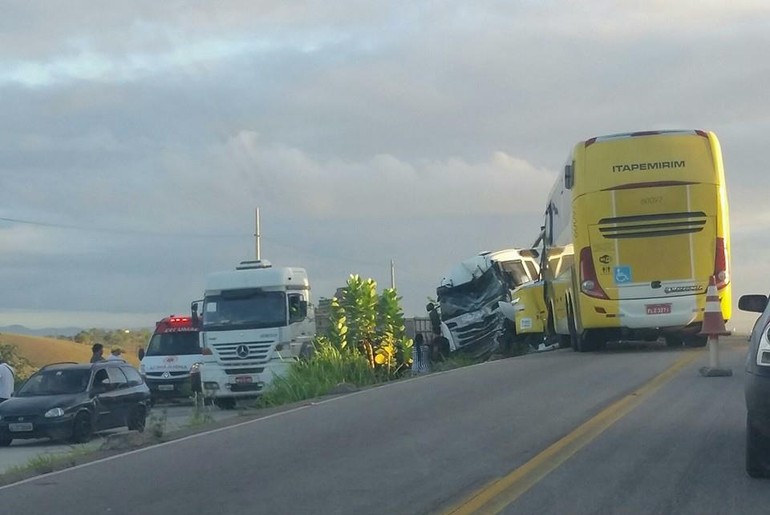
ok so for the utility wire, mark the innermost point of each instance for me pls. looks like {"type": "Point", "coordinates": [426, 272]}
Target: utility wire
{"type": "Point", "coordinates": [306, 250]}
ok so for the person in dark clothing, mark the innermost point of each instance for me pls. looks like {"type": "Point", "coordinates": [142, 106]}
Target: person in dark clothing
{"type": "Point", "coordinates": [97, 352]}
{"type": "Point", "coordinates": [435, 317]}
{"type": "Point", "coordinates": [418, 343]}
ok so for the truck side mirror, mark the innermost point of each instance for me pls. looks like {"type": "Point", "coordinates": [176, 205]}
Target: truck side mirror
{"type": "Point", "coordinates": [140, 353]}
{"type": "Point", "coordinates": [194, 310]}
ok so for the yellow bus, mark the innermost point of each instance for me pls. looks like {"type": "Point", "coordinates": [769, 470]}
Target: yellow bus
{"type": "Point", "coordinates": [644, 217]}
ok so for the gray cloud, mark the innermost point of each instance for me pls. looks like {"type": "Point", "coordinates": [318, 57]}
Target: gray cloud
{"type": "Point", "coordinates": [146, 134]}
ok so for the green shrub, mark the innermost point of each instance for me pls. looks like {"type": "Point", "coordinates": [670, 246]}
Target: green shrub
{"type": "Point", "coordinates": [317, 376]}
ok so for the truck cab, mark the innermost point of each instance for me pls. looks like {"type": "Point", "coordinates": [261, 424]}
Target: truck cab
{"type": "Point", "coordinates": [173, 349]}
{"type": "Point", "coordinates": [470, 295]}
{"type": "Point", "coordinates": [256, 321]}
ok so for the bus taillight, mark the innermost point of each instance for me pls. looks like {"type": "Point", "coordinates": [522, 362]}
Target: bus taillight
{"type": "Point", "coordinates": [589, 284]}
{"type": "Point", "coordinates": [720, 264]}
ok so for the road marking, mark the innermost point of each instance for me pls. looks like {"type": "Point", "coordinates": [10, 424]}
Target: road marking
{"type": "Point", "coordinates": [498, 494]}
{"type": "Point", "coordinates": [309, 403]}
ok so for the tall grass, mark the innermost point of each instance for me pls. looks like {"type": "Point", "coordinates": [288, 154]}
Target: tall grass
{"type": "Point", "coordinates": [317, 376]}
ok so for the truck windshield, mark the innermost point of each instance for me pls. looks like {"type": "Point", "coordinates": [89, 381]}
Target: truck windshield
{"type": "Point", "coordinates": [245, 309]}
{"type": "Point", "coordinates": [487, 289]}
{"type": "Point", "coordinates": [174, 344]}
{"type": "Point", "coordinates": [514, 274]}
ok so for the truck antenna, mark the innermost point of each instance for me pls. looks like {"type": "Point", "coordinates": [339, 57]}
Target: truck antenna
{"type": "Point", "coordinates": [257, 237]}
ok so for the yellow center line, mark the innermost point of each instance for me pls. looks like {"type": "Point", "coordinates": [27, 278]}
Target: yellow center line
{"type": "Point", "coordinates": [494, 497]}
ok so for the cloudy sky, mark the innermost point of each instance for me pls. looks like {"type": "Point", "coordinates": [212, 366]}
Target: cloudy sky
{"type": "Point", "coordinates": [137, 138]}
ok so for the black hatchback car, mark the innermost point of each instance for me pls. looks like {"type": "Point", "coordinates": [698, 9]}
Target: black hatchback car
{"type": "Point", "coordinates": [72, 400]}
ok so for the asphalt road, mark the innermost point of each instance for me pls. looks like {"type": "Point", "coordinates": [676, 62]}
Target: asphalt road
{"type": "Point", "coordinates": [440, 442]}
{"type": "Point", "coordinates": [177, 416]}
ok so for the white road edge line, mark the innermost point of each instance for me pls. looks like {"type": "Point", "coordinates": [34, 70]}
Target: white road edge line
{"type": "Point", "coordinates": [234, 426]}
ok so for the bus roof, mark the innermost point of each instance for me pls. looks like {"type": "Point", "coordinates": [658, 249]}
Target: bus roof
{"type": "Point", "coordinates": [623, 135]}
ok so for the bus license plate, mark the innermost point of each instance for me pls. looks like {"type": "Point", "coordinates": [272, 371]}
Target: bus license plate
{"type": "Point", "coordinates": [166, 387]}
{"type": "Point", "coordinates": [20, 427]}
{"type": "Point", "coordinates": [243, 379]}
{"type": "Point", "coordinates": [658, 309]}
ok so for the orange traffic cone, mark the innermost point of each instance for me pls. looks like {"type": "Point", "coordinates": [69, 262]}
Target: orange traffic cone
{"type": "Point", "coordinates": [713, 321]}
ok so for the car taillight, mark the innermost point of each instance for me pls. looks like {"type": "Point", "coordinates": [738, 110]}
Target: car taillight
{"type": "Point", "coordinates": [589, 284]}
{"type": "Point", "coordinates": [763, 349]}
{"type": "Point", "coordinates": [720, 264]}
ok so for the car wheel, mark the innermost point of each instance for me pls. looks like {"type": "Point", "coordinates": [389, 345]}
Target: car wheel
{"type": "Point", "coordinates": [226, 403]}
{"type": "Point", "coordinates": [137, 419]}
{"type": "Point", "coordinates": [5, 442]}
{"type": "Point", "coordinates": [756, 451]}
{"type": "Point", "coordinates": [82, 428]}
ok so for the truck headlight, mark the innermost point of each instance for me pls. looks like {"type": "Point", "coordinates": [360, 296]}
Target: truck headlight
{"type": "Point", "coordinates": [54, 412]}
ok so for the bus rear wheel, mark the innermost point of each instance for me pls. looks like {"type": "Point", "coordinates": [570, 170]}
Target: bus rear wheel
{"type": "Point", "coordinates": [591, 340]}
{"type": "Point", "coordinates": [673, 340]}
{"type": "Point", "coordinates": [695, 340]}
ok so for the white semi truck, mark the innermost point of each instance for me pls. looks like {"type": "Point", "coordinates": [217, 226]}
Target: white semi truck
{"type": "Point", "coordinates": [256, 321]}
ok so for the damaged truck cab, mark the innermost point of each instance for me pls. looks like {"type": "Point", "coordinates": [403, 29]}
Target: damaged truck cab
{"type": "Point", "coordinates": [470, 296]}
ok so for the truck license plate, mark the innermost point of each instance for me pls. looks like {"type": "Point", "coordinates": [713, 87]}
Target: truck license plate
{"type": "Point", "coordinates": [243, 379]}
{"type": "Point", "coordinates": [165, 387]}
{"type": "Point", "coordinates": [20, 427]}
{"type": "Point", "coordinates": [658, 309]}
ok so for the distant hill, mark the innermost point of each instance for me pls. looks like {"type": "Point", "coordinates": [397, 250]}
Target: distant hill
{"type": "Point", "coordinates": [41, 351]}
{"type": "Point", "coordinates": [48, 331]}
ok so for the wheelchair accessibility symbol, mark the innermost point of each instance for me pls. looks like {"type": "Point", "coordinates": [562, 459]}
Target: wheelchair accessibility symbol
{"type": "Point", "coordinates": [622, 274]}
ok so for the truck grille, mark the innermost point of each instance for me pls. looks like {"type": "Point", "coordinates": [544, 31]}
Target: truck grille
{"type": "Point", "coordinates": [259, 352]}
{"type": "Point", "coordinates": [646, 226]}
{"type": "Point", "coordinates": [478, 332]}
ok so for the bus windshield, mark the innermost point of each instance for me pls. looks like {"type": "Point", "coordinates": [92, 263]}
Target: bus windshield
{"type": "Point", "coordinates": [244, 309]}
{"type": "Point", "coordinates": [181, 343]}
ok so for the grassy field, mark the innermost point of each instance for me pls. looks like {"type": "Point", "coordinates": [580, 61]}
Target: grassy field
{"type": "Point", "coordinates": [41, 351]}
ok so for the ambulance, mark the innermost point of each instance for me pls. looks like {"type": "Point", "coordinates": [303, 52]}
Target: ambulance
{"type": "Point", "coordinates": [169, 357]}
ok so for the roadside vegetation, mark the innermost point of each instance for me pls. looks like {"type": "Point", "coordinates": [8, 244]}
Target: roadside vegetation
{"type": "Point", "coordinates": [26, 354]}
{"type": "Point", "coordinates": [10, 354]}
{"type": "Point", "coordinates": [366, 344]}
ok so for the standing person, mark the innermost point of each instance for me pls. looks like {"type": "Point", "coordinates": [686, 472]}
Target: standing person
{"type": "Point", "coordinates": [115, 354]}
{"type": "Point", "coordinates": [7, 381]}
{"type": "Point", "coordinates": [97, 352]}
{"type": "Point", "coordinates": [435, 318]}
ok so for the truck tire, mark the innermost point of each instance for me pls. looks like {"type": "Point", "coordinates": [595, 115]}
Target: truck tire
{"type": "Point", "coordinates": [225, 403]}
{"type": "Point", "coordinates": [573, 334]}
{"type": "Point", "coordinates": [307, 351]}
